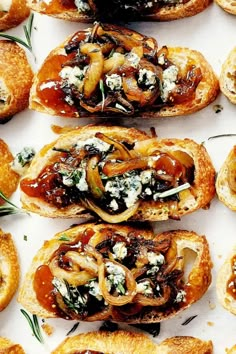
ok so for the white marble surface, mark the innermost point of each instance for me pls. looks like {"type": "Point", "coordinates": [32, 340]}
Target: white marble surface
{"type": "Point", "coordinates": [211, 32]}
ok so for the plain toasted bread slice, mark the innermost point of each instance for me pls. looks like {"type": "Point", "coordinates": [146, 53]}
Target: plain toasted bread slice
{"type": "Point", "coordinates": [228, 75]}
{"type": "Point", "coordinates": [7, 347]}
{"type": "Point", "coordinates": [15, 80]}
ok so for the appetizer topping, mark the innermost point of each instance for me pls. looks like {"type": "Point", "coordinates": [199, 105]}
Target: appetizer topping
{"type": "Point", "coordinates": [110, 70]}
{"type": "Point", "coordinates": [82, 5]}
{"type": "Point", "coordinates": [93, 276]}
{"type": "Point", "coordinates": [113, 173]}
{"type": "Point", "coordinates": [231, 284]}
{"type": "Point", "coordinates": [22, 160]}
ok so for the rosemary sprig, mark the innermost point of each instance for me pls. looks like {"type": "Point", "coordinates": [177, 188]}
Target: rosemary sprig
{"type": "Point", "coordinates": [34, 325]}
{"type": "Point", "coordinates": [101, 87]}
{"type": "Point", "coordinates": [220, 136]}
{"type": "Point", "coordinates": [173, 191]}
{"type": "Point", "coordinates": [9, 210]}
{"type": "Point", "coordinates": [27, 30]}
{"type": "Point", "coordinates": [186, 322]}
{"type": "Point", "coordinates": [73, 329]}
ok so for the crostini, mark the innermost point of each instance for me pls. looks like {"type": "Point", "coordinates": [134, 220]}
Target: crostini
{"type": "Point", "coordinates": [15, 80]}
{"type": "Point", "coordinates": [90, 10]}
{"type": "Point", "coordinates": [131, 343]}
{"type": "Point", "coordinates": [9, 179]}
{"type": "Point", "coordinates": [227, 5]}
{"type": "Point", "coordinates": [7, 347]}
{"type": "Point", "coordinates": [127, 274]}
{"type": "Point", "coordinates": [226, 181]}
{"type": "Point", "coordinates": [12, 13]}
{"type": "Point", "coordinates": [9, 269]}
{"type": "Point", "coordinates": [110, 71]}
{"type": "Point", "coordinates": [228, 76]}
{"type": "Point", "coordinates": [118, 174]}
{"type": "Point", "coordinates": [226, 284]}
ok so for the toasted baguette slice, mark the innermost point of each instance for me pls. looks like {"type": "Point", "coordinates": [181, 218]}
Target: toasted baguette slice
{"type": "Point", "coordinates": [199, 195]}
{"type": "Point", "coordinates": [57, 91]}
{"type": "Point", "coordinates": [7, 347]}
{"type": "Point", "coordinates": [228, 76]}
{"type": "Point", "coordinates": [9, 269]}
{"type": "Point", "coordinates": [15, 80]}
{"type": "Point", "coordinates": [223, 284]}
{"type": "Point", "coordinates": [13, 15]}
{"type": "Point", "coordinates": [136, 343]}
{"type": "Point", "coordinates": [231, 350]}
{"type": "Point", "coordinates": [227, 5]}
{"type": "Point", "coordinates": [8, 178]}
{"type": "Point", "coordinates": [172, 244]}
{"type": "Point", "coordinates": [226, 179]}
{"type": "Point", "coordinates": [113, 10]}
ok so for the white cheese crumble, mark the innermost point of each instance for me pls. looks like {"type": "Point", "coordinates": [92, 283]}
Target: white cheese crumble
{"type": "Point", "coordinates": [116, 277]}
{"type": "Point", "coordinates": [161, 59]}
{"type": "Point", "coordinates": [61, 287]}
{"type": "Point", "coordinates": [180, 297]}
{"type": "Point", "coordinates": [133, 59]}
{"type": "Point", "coordinates": [94, 290]}
{"type": "Point", "coordinates": [82, 185]}
{"type": "Point", "coordinates": [82, 5]}
{"type": "Point", "coordinates": [114, 82]}
{"type": "Point", "coordinates": [170, 76]}
{"type": "Point", "coordinates": [22, 160]}
{"type": "Point", "coordinates": [155, 259]}
{"type": "Point", "coordinates": [120, 250]}
{"type": "Point", "coordinates": [146, 176]}
{"type": "Point", "coordinates": [147, 77]}
{"type": "Point", "coordinates": [74, 76]}
{"type": "Point", "coordinates": [5, 5]}
{"type": "Point", "coordinates": [144, 287]}
{"type": "Point", "coordinates": [96, 143]}
{"type": "Point", "coordinates": [114, 205]}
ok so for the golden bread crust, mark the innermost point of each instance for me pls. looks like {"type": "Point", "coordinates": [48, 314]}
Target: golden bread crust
{"type": "Point", "coordinates": [228, 76]}
{"type": "Point", "coordinates": [7, 347]}
{"type": "Point", "coordinates": [196, 284]}
{"type": "Point", "coordinates": [15, 79]}
{"type": "Point", "coordinates": [227, 5]}
{"type": "Point", "coordinates": [8, 178]}
{"type": "Point", "coordinates": [9, 269]}
{"type": "Point", "coordinates": [231, 350]}
{"type": "Point", "coordinates": [206, 91]}
{"type": "Point", "coordinates": [165, 13]}
{"type": "Point", "coordinates": [225, 194]}
{"type": "Point", "coordinates": [131, 343]}
{"type": "Point", "coordinates": [226, 300]}
{"type": "Point", "coordinates": [17, 13]}
{"type": "Point", "coordinates": [203, 188]}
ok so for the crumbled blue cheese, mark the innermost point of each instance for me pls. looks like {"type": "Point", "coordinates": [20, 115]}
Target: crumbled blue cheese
{"type": "Point", "coordinates": [114, 205]}
{"type": "Point", "coordinates": [120, 250]}
{"type": "Point", "coordinates": [133, 59]}
{"type": "Point", "coordinates": [154, 270]}
{"type": "Point", "coordinates": [180, 297]}
{"type": "Point", "coordinates": [144, 287]}
{"type": "Point", "coordinates": [155, 259]}
{"type": "Point", "coordinates": [76, 178]}
{"type": "Point", "coordinates": [94, 290]}
{"type": "Point", "coordinates": [147, 77]}
{"type": "Point", "coordinates": [82, 185]}
{"type": "Point", "coordinates": [61, 287]}
{"type": "Point", "coordinates": [82, 5]}
{"type": "Point", "coordinates": [22, 160]}
{"type": "Point", "coordinates": [170, 76]}
{"type": "Point", "coordinates": [116, 277]}
{"type": "Point", "coordinates": [73, 75]}
{"type": "Point", "coordinates": [128, 187]}
{"type": "Point", "coordinates": [96, 143]}
{"type": "Point", "coordinates": [146, 176]}
{"type": "Point", "coordinates": [5, 5]}
{"type": "Point", "coordinates": [114, 82]}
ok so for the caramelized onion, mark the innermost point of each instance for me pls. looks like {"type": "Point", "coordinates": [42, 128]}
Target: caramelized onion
{"type": "Point", "coordinates": [124, 152]}
{"type": "Point", "coordinates": [113, 219]}
{"type": "Point", "coordinates": [93, 177]}
{"type": "Point", "coordinates": [111, 169]}
{"type": "Point", "coordinates": [153, 301]}
{"type": "Point", "coordinates": [130, 283]}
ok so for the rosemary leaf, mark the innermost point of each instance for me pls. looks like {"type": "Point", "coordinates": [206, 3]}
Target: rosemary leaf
{"type": "Point", "coordinates": [101, 86]}
{"type": "Point", "coordinates": [73, 329]}
{"type": "Point", "coordinates": [34, 325]}
{"type": "Point", "coordinates": [64, 237]}
{"type": "Point", "coordinates": [172, 191]}
{"type": "Point", "coordinates": [2, 195]}
{"type": "Point", "coordinates": [4, 211]}
{"type": "Point", "coordinates": [220, 136]}
{"type": "Point", "coordinates": [185, 323]}
{"type": "Point", "coordinates": [15, 39]}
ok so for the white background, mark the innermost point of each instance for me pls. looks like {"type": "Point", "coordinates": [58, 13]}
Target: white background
{"type": "Point", "coordinates": [211, 32]}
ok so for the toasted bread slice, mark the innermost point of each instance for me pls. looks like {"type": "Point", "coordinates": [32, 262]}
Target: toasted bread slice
{"type": "Point", "coordinates": [14, 14]}
{"type": "Point", "coordinates": [192, 156]}
{"type": "Point", "coordinates": [7, 347]}
{"type": "Point", "coordinates": [9, 269]}
{"type": "Point", "coordinates": [135, 343]}
{"type": "Point", "coordinates": [225, 283]}
{"type": "Point", "coordinates": [8, 178]}
{"type": "Point", "coordinates": [226, 179]}
{"type": "Point", "coordinates": [227, 5]}
{"type": "Point", "coordinates": [114, 10]}
{"type": "Point", "coordinates": [44, 278]}
{"type": "Point", "coordinates": [231, 350]}
{"type": "Point", "coordinates": [15, 80]}
{"type": "Point", "coordinates": [141, 82]}
{"type": "Point", "coordinates": [228, 76]}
